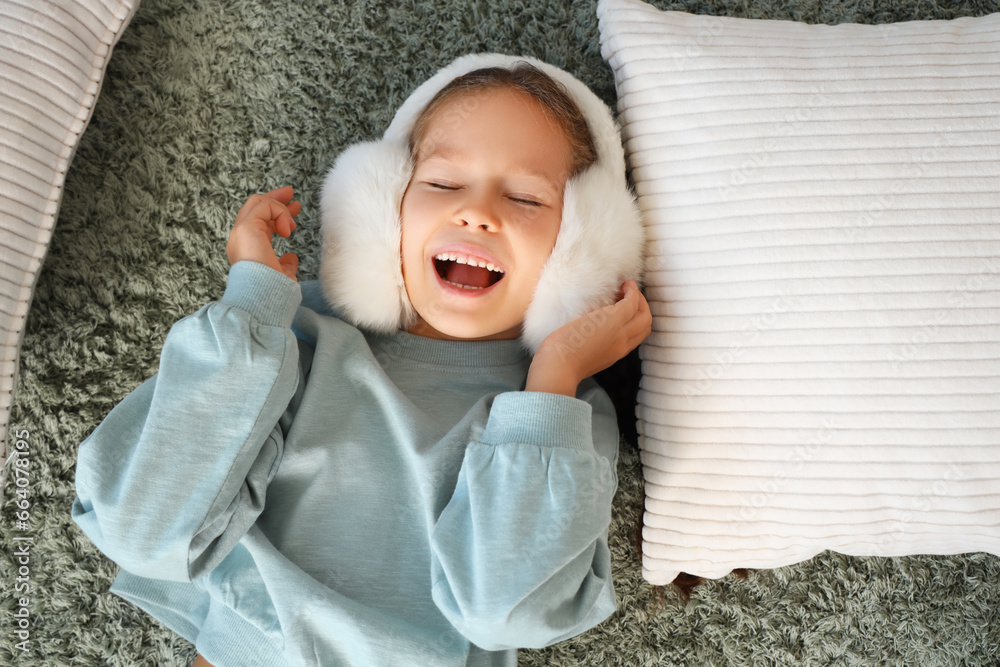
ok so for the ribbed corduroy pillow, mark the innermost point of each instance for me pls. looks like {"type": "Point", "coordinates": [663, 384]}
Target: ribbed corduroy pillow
{"type": "Point", "coordinates": [823, 204]}
{"type": "Point", "coordinates": [52, 61]}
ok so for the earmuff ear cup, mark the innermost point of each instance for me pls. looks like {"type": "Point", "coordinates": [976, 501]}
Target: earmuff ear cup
{"type": "Point", "coordinates": [361, 268]}
{"type": "Point", "coordinates": [599, 246]}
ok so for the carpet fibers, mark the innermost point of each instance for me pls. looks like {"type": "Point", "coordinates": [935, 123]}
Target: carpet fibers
{"type": "Point", "coordinates": [206, 102]}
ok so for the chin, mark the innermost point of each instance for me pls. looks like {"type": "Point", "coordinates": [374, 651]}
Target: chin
{"type": "Point", "coordinates": [455, 329]}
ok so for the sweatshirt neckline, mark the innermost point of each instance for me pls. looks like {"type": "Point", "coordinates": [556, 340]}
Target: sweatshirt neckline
{"type": "Point", "coordinates": [453, 353]}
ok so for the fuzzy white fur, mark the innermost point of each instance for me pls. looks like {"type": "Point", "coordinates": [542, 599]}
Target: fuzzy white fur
{"type": "Point", "coordinates": [599, 246]}
{"type": "Point", "coordinates": [361, 269]}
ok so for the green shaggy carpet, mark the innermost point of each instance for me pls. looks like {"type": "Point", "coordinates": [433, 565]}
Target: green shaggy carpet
{"type": "Point", "coordinates": [208, 101]}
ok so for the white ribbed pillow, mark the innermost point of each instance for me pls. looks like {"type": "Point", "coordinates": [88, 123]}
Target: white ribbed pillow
{"type": "Point", "coordinates": [823, 204]}
{"type": "Point", "coordinates": [52, 60]}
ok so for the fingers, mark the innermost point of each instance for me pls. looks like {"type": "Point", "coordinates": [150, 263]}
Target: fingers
{"type": "Point", "coordinates": [283, 194]}
{"type": "Point", "coordinates": [274, 214]}
{"type": "Point", "coordinates": [636, 319]}
{"type": "Point", "coordinates": [277, 212]}
{"type": "Point", "coordinates": [630, 303]}
{"type": "Point", "coordinates": [641, 317]}
{"type": "Point", "coordinates": [287, 225]}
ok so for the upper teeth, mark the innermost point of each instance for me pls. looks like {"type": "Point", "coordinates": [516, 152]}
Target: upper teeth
{"type": "Point", "coordinates": [471, 261]}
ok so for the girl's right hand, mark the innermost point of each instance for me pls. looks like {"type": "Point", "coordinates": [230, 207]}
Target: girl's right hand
{"type": "Point", "coordinates": [590, 343]}
{"type": "Point", "coordinates": [260, 218]}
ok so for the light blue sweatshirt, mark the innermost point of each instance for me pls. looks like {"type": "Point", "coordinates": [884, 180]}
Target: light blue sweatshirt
{"type": "Point", "coordinates": [290, 490]}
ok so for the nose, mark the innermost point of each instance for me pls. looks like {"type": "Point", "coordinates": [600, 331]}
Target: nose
{"type": "Point", "coordinates": [478, 211]}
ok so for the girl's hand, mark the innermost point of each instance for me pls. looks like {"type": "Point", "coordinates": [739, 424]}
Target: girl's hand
{"type": "Point", "coordinates": [590, 343]}
{"type": "Point", "coordinates": [260, 218]}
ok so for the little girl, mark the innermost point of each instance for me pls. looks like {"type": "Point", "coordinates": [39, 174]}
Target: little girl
{"type": "Point", "coordinates": [406, 462]}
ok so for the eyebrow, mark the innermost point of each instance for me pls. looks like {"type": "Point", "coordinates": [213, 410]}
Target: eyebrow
{"type": "Point", "coordinates": [449, 155]}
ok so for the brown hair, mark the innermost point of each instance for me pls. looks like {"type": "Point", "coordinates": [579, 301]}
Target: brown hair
{"type": "Point", "coordinates": [525, 78]}
{"type": "Point", "coordinates": [685, 582]}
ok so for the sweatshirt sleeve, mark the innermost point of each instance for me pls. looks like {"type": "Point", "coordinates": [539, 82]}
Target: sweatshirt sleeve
{"type": "Point", "coordinates": [176, 473]}
{"type": "Point", "coordinates": [520, 555]}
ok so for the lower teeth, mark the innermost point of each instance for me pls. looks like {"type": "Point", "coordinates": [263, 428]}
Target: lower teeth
{"type": "Point", "coordinates": [464, 286]}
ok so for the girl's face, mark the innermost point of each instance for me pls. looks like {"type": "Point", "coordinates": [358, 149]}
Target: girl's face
{"type": "Point", "coordinates": [481, 214]}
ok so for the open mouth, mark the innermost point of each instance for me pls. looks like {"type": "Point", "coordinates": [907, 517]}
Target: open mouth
{"type": "Point", "coordinates": [467, 272]}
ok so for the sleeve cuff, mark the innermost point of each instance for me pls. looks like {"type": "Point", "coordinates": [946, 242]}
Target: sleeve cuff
{"type": "Point", "coordinates": [269, 296]}
{"type": "Point", "coordinates": [538, 418]}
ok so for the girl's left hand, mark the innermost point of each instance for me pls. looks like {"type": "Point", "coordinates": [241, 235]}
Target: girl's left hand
{"type": "Point", "coordinates": [590, 343]}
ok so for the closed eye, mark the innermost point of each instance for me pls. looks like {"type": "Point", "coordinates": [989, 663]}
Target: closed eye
{"type": "Point", "coordinates": [442, 186]}
{"type": "Point", "coordinates": [448, 186]}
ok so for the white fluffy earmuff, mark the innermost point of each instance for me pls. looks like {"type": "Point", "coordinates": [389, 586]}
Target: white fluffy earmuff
{"type": "Point", "coordinates": [599, 245]}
